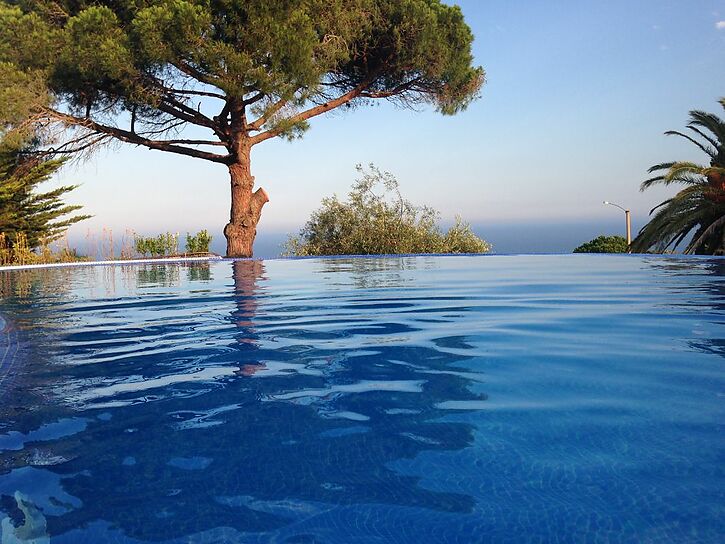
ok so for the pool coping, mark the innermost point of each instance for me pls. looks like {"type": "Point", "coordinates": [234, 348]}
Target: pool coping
{"type": "Point", "coordinates": [218, 258]}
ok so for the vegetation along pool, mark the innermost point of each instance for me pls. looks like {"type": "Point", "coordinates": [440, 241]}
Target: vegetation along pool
{"type": "Point", "coordinates": [409, 399]}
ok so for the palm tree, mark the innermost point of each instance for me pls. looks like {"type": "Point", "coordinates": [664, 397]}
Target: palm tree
{"type": "Point", "coordinates": [700, 205]}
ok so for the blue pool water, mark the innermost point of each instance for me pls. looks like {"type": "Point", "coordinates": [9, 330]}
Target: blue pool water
{"type": "Point", "coordinates": [406, 400]}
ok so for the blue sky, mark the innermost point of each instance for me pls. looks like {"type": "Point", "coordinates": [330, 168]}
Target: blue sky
{"type": "Point", "coordinates": [577, 97]}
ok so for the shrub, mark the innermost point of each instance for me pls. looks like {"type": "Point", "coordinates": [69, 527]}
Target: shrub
{"type": "Point", "coordinates": [461, 239]}
{"type": "Point", "coordinates": [371, 223]}
{"type": "Point", "coordinates": [159, 246]}
{"type": "Point", "coordinates": [199, 243]}
{"type": "Point", "coordinates": [604, 244]}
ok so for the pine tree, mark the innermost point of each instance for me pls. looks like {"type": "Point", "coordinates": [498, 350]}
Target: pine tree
{"type": "Point", "coordinates": [41, 217]}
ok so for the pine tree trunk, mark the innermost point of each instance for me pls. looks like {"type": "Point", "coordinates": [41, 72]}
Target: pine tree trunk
{"type": "Point", "coordinates": [246, 209]}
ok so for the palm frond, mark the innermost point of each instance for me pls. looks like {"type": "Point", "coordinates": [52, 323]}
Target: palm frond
{"type": "Point", "coordinates": [656, 179]}
{"type": "Point", "coordinates": [674, 220]}
{"type": "Point", "coordinates": [661, 166]}
{"type": "Point", "coordinates": [677, 240]}
{"type": "Point", "coordinates": [665, 203]}
{"type": "Point", "coordinates": [646, 184]}
{"type": "Point", "coordinates": [680, 169]}
{"type": "Point", "coordinates": [710, 139]}
{"type": "Point", "coordinates": [709, 121]}
{"type": "Point", "coordinates": [707, 149]}
{"type": "Point", "coordinates": [698, 241]}
{"type": "Point", "coordinates": [687, 173]}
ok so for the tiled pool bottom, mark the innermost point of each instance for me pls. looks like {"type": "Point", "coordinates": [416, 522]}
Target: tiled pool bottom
{"type": "Point", "coordinates": [403, 400]}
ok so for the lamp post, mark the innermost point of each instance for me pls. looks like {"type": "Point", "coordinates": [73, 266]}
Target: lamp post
{"type": "Point", "coordinates": [627, 219]}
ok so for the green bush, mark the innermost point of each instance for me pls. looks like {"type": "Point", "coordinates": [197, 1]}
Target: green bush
{"type": "Point", "coordinates": [159, 246]}
{"type": "Point", "coordinates": [371, 223]}
{"type": "Point", "coordinates": [604, 244]}
{"type": "Point", "coordinates": [199, 243]}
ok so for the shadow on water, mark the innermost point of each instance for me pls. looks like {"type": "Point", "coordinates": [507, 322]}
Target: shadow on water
{"type": "Point", "coordinates": [167, 423]}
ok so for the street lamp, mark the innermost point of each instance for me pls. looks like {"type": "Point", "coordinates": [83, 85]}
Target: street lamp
{"type": "Point", "coordinates": [627, 219]}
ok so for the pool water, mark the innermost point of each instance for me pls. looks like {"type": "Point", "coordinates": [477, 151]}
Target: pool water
{"type": "Point", "coordinates": [369, 400]}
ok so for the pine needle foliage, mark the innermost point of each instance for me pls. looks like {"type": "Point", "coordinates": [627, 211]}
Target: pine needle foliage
{"type": "Point", "coordinates": [377, 220]}
{"type": "Point", "coordinates": [38, 217]}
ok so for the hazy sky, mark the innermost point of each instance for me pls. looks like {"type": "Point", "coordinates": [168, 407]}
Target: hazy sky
{"type": "Point", "coordinates": [577, 97]}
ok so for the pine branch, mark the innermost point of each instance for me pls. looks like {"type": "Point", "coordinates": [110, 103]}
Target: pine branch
{"type": "Point", "coordinates": [130, 137]}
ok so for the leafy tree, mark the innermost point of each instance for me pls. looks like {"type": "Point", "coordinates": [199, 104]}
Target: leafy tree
{"type": "Point", "coordinates": [698, 210]}
{"type": "Point", "coordinates": [211, 79]}
{"type": "Point", "coordinates": [39, 217]}
{"type": "Point", "coordinates": [604, 244]}
{"type": "Point", "coordinates": [371, 223]}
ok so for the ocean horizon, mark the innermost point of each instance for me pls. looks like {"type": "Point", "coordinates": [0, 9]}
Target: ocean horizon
{"type": "Point", "coordinates": [506, 237]}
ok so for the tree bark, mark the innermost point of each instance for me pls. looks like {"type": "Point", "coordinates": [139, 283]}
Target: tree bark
{"type": "Point", "coordinates": [246, 208]}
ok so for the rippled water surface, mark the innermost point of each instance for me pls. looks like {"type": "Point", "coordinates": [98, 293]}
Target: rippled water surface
{"type": "Point", "coordinates": [448, 399]}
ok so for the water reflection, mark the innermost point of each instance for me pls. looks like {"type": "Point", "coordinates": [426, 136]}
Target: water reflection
{"type": "Point", "coordinates": [324, 401]}
{"type": "Point", "coordinates": [247, 276]}
{"type": "Point", "coordinates": [371, 272]}
{"type": "Point", "coordinates": [23, 288]}
{"type": "Point", "coordinates": [165, 275]}
{"type": "Point", "coordinates": [172, 416]}
{"type": "Point", "coordinates": [198, 272]}
{"type": "Point", "coordinates": [707, 295]}
{"type": "Point", "coordinates": [158, 275]}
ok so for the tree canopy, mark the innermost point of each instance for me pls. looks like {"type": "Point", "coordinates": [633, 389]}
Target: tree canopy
{"type": "Point", "coordinates": [271, 64]}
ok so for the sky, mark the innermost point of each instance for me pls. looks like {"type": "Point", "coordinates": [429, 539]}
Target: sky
{"type": "Point", "coordinates": [577, 97]}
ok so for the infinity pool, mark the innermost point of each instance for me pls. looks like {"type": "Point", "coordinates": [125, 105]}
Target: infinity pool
{"type": "Point", "coordinates": [404, 400]}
